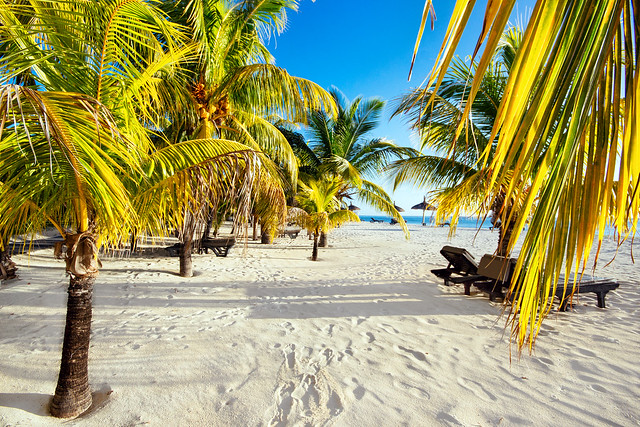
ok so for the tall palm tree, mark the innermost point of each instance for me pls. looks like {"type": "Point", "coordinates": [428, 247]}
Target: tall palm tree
{"type": "Point", "coordinates": [80, 85]}
{"type": "Point", "coordinates": [236, 90]}
{"type": "Point", "coordinates": [340, 147]}
{"type": "Point", "coordinates": [319, 209]}
{"type": "Point", "coordinates": [455, 170]}
{"type": "Point", "coordinates": [568, 124]}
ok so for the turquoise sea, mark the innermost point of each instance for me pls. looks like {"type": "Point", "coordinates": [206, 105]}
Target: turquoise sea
{"type": "Point", "coordinates": [463, 221]}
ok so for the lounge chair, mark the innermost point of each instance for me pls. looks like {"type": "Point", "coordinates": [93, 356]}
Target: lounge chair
{"type": "Point", "coordinates": [598, 285]}
{"type": "Point", "coordinates": [462, 268]}
{"type": "Point", "coordinates": [494, 274]}
{"type": "Point", "coordinates": [219, 245]}
{"type": "Point", "coordinates": [292, 233]}
{"type": "Point", "coordinates": [375, 221]}
{"type": "Point", "coordinates": [498, 273]}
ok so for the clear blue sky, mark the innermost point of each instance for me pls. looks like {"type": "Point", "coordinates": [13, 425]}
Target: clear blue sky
{"type": "Point", "coordinates": [365, 48]}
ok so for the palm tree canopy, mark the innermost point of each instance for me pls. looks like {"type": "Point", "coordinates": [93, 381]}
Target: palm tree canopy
{"type": "Point", "coordinates": [340, 146]}
{"type": "Point", "coordinates": [239, 93]}
{"type": "Point", "coordinates": [455, 171]}
{"type": "Point", "coordinates": [320, 210]}
{"type": "Point", "coordinates": [568, 124]}
{"type": "Point", "coordinates": [75, 147]}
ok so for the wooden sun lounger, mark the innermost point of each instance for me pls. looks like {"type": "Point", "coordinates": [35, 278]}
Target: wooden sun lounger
{"type": "Point", "coordinates": [462, 268]}
{"type": "Point", "coordinates": [219, 245]}
{"type": "Point", "coordinates": [599, 286]}
{"type": "Point", "coordinates": [495, 274]}
{"type": "Point", "coordinates": [291, 233]}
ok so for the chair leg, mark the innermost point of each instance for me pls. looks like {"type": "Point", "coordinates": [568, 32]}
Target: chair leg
{"type": "Point", "coordinates": [601, 296]}
{"type": "Point", "coordinates": [564, 303]}
{"type": "Point", "coordinates": [467, 288]}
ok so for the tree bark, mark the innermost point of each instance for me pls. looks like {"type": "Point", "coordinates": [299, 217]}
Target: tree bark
{"type": "Point", "coordinates": [207, 227]}
{"type": "Point", "coordinates": [73, 395]}
{"type": "Point", "coordinates": [133, 245]}
{"type": "Point", "coordinates": [255, 227]}
{"type": "Point", "coordinates": [186, 262]}
{"type": "Point", "coordinates": [505, 232]}
{"type": "Point", "coordinates": [314, 253]}
{"type": "Point", "coordinates": [7, 267]}
{"type": "Point", "coordinates": [323, 240]}
{"type": "Point", "coordinates": [265, 236]}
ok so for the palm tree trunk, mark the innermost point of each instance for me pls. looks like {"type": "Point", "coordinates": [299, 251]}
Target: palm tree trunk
{"type": "Point", "coordinates": [207, 227]}
{"type": "Point", "coordinates": [255, 227]}
{"type": "Point", "coordinates": [133, 244]}
{"type": "Point", "coordinates": [505, 232]}
{"type": "Point", "coordinates": [314, 253]}
{"type": "Point", "coordinates": [323, 240]}
{"type": "Point", "coordinates": [73, 395]}
{"type": "Point", "coordinates": [265, 236]}
{"type": "Point", "coordinates": [186, 262]}
{"type": "Point", "coordinates": [7, 267]}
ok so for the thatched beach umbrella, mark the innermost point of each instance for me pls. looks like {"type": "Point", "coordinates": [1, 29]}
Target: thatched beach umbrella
{"type": "Point", "coordinates": [424, 206]}
{"type": "Point", "coordinates": [398, 208]}
{"type": "Point", "coordinates": [353, 207]}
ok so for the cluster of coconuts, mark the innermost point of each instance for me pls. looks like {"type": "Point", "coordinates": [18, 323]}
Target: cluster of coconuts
{"type": "Point", "coordinates": [215, 112]}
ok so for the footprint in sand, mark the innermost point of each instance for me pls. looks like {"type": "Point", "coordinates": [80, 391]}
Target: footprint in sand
{"type": "Point", "coordinates": [476, 388]}
{"type": "Point", "coordinates": [369, 337]}
{"type": "Point", "coordinates": [288, 327]}
{"type": "Point", "coordinates": [388, 328]}
{"type": "Point", "coordinates": [599, 388]}
{"type": "Point", "coordinates": [359, 391]}
{"type": "Point", "coordinates": [357, 321]}
{"type": "Point", "coordinates": [329, 329]}
{"type": "Point", "coordinates": [305, 393]}
{"type": "Point", "coordinates": [417, 354]}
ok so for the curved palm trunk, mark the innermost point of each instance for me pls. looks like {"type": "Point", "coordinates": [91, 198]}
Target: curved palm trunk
{"type": "Point", "coordinates": [73, 395]}
{"type": "Point", "coordinates": [323, 240]}
{"type": "Point", "coordinates": [314, 253]}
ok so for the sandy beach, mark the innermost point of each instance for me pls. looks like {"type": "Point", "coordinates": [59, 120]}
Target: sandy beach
{"type": "Point", "coordinates": [365, 336]}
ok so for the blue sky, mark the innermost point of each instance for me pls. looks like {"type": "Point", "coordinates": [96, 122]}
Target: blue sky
{"type": "Point", "coordinates": [365, 48]}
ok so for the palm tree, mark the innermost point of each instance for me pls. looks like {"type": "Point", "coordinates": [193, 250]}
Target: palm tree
{"type": "Point", "coordinates": [236, 90]}
{"type": "Point", "coordinates": [319, 209]}
{"type": "Point", "coordinates": [455, 170]}
{"type": "Point", "coordinates": [568, 124]}
{"type": "Point", "coordinates": [81, 84]}
{"type": "Point", "coordinates": [339, 148]}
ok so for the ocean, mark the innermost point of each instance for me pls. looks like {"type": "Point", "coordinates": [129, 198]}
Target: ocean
{"type": "Point", "coordinates": [463, 221]}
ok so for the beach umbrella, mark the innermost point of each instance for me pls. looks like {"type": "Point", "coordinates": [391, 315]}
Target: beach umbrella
{"type": "Point", "coordinates": [424, 206]}
{"type": "Point", "coordinates": [353, 207]}
{"type": "Point", "coordinates": [398, 208]}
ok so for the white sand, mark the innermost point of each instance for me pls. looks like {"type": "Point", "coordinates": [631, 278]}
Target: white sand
{"type": "Point", "coordinates": [362, 337]}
